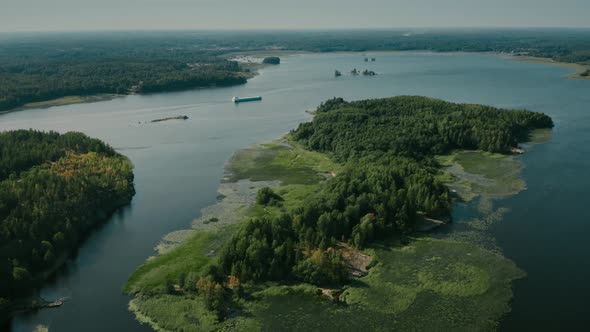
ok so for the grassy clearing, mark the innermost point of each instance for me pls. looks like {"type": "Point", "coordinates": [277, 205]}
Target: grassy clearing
{"type": "Point", "coordinates": [449, 285]}
{"type": "Point", "coordinates": [283, 161]}
{"type": "Point", "coordinates": [192, 255]}
{"type": "Point", "coordinates": [491, 165]}
{"type": "Point", "coordinates": [475, 173]}
{"type": "Point", "coordinates": [293, 195]}
{"type": "Point", "coordinates": [165, 312]}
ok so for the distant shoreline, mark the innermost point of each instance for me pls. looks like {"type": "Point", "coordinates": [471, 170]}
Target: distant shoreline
{"type": "Point", "coordinates": [64, 101]}
{"type": "Point", "coordinates": [255, 67]}
{"type": "Point", "coordinates": [579, 68]}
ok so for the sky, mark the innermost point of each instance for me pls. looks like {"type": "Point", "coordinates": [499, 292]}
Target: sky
{"type": "Point", "coordinates": [91, 15]}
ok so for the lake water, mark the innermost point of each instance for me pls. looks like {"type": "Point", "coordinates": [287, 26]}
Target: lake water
{"type": "Point", "coordinates": [179, 164]}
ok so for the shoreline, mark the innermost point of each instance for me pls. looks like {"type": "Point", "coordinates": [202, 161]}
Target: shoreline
{"type": "Point", "coordinates": [579, 68]}
{"type": "Point", "coordinates": [88, 99]}
{"type": "Point", "coordinates": [65, 101]}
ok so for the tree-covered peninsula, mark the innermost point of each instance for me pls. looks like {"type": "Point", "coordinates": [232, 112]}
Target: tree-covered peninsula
{"type": "Point", "coordinates": [389, 177]}
{"type": "Point", "coordinates": [355, 183]}
{"type": "Point", "coordinates": [54, 189]}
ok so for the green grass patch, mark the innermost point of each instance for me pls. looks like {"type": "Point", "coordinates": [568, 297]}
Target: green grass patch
{"type": "Point", "coordinates": [192, 255]}
{"type": "Point", "coordinates": [446, 268]}
{"type": "Point", "coordinates": [68, 100]}
{"type": "Point", "coordinates": [294, 195]}
{"type": "Point", "coordinates": [166, 312]}
{"type": "Point", "coordinates": [491, 165]}
{"type": "Point", "coordinates": [288, 163]}
{"type": "Point", "coordinates": [474, 173]}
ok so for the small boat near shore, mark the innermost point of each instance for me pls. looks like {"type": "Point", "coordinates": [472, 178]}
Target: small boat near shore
{"type": "Point", "coordinates": [245, 99]}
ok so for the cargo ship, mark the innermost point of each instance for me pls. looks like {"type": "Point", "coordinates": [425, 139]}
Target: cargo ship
{"type": "Point", "coordinates": [244, 99]}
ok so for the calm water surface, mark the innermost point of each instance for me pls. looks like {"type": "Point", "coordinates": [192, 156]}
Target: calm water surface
{"type": "Point", "coordinates": [178, 166]}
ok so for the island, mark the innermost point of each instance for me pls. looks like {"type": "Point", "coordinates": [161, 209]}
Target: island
{"type": "Point", "coordinates": [54, 189]}
{"type": "Point", "coordinates": [178, 117]}
{"type": "Point", "coordinates": [318, 230]}
{"type": "Point", "coordinates": [273, 60]}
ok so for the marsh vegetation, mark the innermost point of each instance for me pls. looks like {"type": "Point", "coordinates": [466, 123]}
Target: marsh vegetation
{"type": "Point", "coordinates": [355, 178]}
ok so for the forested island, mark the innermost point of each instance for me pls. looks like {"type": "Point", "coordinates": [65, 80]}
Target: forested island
{"type": "Point", "coordinates": [354, 184]}
{"type": "Point", "coordinates": [272, 60]}
{"type": "Point", "coordinates": [80, 66]}
{"type": "Point", "coordinates": [54, 189]}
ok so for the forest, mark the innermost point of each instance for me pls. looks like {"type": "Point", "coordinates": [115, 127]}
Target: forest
{"type": "Point", "coordinates": [388, 178]}
{"type": "Point", "coordinates": [54, 189]}
{"type": "Point", "coordinates": [41, 70]}
{"type": "Point", "coordinates": [37, 67]}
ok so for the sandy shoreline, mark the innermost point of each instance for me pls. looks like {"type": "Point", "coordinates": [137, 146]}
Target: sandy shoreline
{"type": "Point", "coordinates": [579, 68]}
{"type": "Point", "coordinates": [64, 101]}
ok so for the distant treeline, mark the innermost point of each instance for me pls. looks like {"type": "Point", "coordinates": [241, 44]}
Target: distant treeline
{"type": "Point", "coordinates": [41, 67]}
{"type": "Point", "coordinates": [389, 178]}
{"type": "Point", "coordinates": [53, 190]}
{"type": "Point", "coordinates": [45, 74]}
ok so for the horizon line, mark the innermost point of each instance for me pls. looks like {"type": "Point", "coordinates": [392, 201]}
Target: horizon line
{"type": "Point", "coordinates": [332, 29]}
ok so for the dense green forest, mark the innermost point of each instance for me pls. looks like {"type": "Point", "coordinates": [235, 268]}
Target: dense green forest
{"type": "Point", "coordinates": [414, 127]}
{"type": "Point", "coordinates": [53, 190]}
{"type": "Point", "coordinates": [37, 67]}
{"type": "Point", "coordinates": [388, 179]}
{"type": "Point", "coordinates": [86, 73]}
{"type": "Point", "coordinates": [43, 69]}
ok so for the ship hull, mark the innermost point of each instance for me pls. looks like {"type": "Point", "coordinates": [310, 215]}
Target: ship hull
{"type": "Point", "coordinates": [245, 99]}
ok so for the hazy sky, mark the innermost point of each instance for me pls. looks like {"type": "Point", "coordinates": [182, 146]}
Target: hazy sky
{"type": "Point", "coordinates": [52, 15]}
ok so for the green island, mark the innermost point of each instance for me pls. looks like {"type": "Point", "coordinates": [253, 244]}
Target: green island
{"type": "Point", "coordinates": [54, 189]}
{"type": "Point", "coordinates": [272, 60]}
{"type": "Point", "coordinates": [317, 230]}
